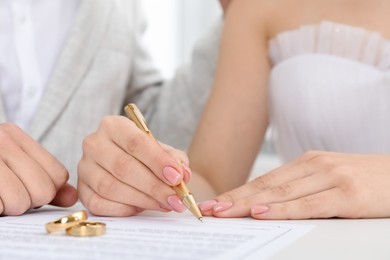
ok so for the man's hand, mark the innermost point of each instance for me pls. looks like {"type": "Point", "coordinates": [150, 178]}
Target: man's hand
{"type": "Point", "coordinates": [124, 171]}
{"type": "Point", "coordinates": [30, 177]}
{"type": "Point", "coordinates": [317, 185]}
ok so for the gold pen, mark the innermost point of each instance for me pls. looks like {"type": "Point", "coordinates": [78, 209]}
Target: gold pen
{"type": "Point", "coordinates": [181, 189]}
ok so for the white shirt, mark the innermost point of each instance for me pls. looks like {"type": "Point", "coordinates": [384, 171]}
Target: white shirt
{"type": "Point", "coordinates": [32, 34]}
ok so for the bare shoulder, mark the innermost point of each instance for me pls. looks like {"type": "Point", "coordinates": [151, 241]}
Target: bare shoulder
{"type": "Point", "coordinates": [282, 15]}
{"type": "Point", "coordinates": [270, 15]}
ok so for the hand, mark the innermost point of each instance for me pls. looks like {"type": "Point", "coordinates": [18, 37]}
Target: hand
{"type": "Point", "coordinates": [317, 185]}
{"type": "Point", "coordinates": [124, 171]}
{"type": "Point", "coordinates": [29, 176]}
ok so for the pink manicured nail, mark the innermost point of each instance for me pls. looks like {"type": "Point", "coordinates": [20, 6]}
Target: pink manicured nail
{"type": "Point", "coordinates": [259, 209]}
{"type": "Point", "coordinates": [171, 175]}
{"type": "Point", "coordinates": [176, 203]}
{"type": "Point", "coordinates": [207, 205]}
{"type": "Point", "coordinates": [187, 171]}
{"type": "Point", "coordinates": [221, 206]}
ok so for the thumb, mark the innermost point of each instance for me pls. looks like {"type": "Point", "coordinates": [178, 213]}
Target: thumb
{"type": "Point", "coordinates": [66, 196]}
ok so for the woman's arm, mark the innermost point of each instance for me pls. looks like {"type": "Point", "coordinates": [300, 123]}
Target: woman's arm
{"type": "Point", "coordinates": [235, 118]}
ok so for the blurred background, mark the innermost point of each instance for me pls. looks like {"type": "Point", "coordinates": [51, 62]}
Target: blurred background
{"type": "Point", "coordinates": [174, 26]}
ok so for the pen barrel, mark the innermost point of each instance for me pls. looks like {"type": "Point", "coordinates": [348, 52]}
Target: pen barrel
{"type": "Point", "coordinates": [188, 199]}
{"type": "Point", "coordinates": [181, 190]}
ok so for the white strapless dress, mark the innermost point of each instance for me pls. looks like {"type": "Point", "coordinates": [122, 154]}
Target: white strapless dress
{"type": "Point", "coordinates": [330, 90]}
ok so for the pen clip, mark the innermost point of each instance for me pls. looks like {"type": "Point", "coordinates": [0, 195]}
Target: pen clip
{"type": "Point", "coordinates": [136, 116]}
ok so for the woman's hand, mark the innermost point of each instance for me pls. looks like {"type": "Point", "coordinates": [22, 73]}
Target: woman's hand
{"type": "Point", "coordinates": [124, 171]}
{"type": "Point", "coordinates": [30, 177]}
{"type": "Point", "coordinates": [317, 185]}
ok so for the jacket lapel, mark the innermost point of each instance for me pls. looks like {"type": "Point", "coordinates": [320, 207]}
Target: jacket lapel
{"type": "Point", "coordinates": [77, 55]}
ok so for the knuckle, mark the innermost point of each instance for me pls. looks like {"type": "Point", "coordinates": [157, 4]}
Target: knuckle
{"type": "Point", "coordinates": [345, 179]}
{"type": "Point", "coordinates": [135, 143]}
{"type": "Point", "coordinates": [282, 190]}
{"type": "Point", "coordinates": [89, 143]}
{"type": "Point", "coordinates": [94, 204]}
{"type": "Point", "coordinates": [106, 186]}
{"type": "Point", "coordinates": [262, 182]}
{"type": "Point", "coordinates": [323, 160]}
{"type": "Point", "coordinates": [42, 197]}
{"type": "Point", "coordinates": [9, 128]}
{"type": "Point", "coordinates": [121, 166]}
{"type": "Point", "coordinates": [62, 174]}
{"type": "Point", "coordinates": [84, 169]}
{"type": "Point", "coordinates": [106, 122]}
{"type": "Point", "coordinates": [6, 140]}
{"type": "Point", "coordinates": [9, 131]}
{"type": "Point", "coordinates": [17, 208]}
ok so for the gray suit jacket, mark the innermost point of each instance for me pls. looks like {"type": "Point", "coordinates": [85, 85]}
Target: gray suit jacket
{"type": "Point", "coordinates": [103, 66]}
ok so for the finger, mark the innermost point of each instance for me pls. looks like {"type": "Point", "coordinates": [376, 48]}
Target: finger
{"type": "Point", "coordinates": [320, 205]}
{"type": "Point", "coordinates": [15, 199]}
{"type": "Point", "coordinates": [66, 196]}
{"type": "Point", "coordinates": [138, 144]}
{"type": "Point", "coordinates": [50, 165]}
{"type": "Point", "coordinates": [110, 188]}
{"type": "Point", "coordinates": [289, 172]}
{"type": "Point", "coordinates": [126, 169]}
{"type": "Point", "coordinates": [181, 158]}
{"type": "Point", "coordinates": [306, 186]}
{"type": "Point", "coordinates": [37, 182]}
{"type": "Point", "coordinates": [102, 207]}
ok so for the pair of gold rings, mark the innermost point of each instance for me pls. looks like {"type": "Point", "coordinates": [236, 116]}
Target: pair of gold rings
{"type": "Point", "coordinates": [76, 225]}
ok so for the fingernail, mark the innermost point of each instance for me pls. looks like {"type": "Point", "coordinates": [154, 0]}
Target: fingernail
{"type": "Point", "coordinates": [171, 175]}
{"type": "Point", "coordinates": [176, 203]}
{"type": "Point", "coordinates": [221, 206]}
{"type": "Point", "coordinates": [187, 172]}
{"type": "Point", "coordinates": [259, 209]}
{"type": "Point", "coordinates": [207, 205]}
{"type": "Point", "coordinates": [166, 207]}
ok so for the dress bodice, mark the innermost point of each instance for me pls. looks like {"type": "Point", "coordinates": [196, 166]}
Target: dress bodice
{"type": "Point", "coordinates": [330, 90]}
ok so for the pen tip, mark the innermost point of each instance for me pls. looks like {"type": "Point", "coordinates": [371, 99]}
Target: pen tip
{"type": "Point", "coordinates": [201, 219]}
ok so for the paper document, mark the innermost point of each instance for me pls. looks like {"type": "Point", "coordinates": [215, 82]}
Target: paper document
{"type": "Point", "coordinates": [148, 236]}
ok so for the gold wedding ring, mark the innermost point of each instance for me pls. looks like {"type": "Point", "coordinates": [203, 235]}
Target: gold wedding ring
{"type": "Point", "coordinates": [66, 222]}
{"type": "Point", "coordinates": [75, 225]}
{"type": "Point", "coordinates": [87, 229]}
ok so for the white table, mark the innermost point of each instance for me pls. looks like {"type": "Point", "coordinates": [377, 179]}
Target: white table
{"type": "Point", "coordinates": [334, 238]}
{"type": "Point", "coordinates": [341, 239]}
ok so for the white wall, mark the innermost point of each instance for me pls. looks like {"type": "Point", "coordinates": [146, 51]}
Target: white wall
{"type": "Point", "coordinates": [174, 27]}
